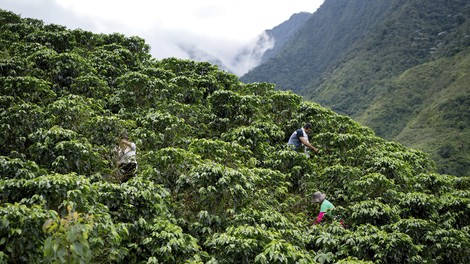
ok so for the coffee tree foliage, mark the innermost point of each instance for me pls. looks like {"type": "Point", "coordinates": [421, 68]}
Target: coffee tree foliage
{"type": "Point", "coordinates": [216, 182]}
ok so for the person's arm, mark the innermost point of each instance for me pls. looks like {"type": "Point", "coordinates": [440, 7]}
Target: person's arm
{"type": "Point", "coordinates": [306, 143]}
{"type": "Point", "coordinates": [319, 217]}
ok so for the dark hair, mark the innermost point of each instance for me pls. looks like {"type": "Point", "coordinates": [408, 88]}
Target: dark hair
{"type": "Point", "coordinates": [123, 135]}
{"type": "Point", "coordinates": [308, 125]}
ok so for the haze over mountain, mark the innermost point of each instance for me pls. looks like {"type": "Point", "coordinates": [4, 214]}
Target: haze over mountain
{"type": "Point", "coordinates": [282, 33]}
{"type": "Point", "coordinates": [256, 52]}
{"type": "Point", "coordinates": [399, 67]}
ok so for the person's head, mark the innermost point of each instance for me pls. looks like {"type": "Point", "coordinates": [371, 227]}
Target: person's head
{"type": "Point", "coordinates": [308, 127]}
{"type": "Point", "coordinates": [123, 137]}
{"type": "Point", "coordinates": [318, 197]}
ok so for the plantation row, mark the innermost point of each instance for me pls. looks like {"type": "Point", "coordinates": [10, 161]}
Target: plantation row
{"type": "Point", "coordinates": [215, 183]}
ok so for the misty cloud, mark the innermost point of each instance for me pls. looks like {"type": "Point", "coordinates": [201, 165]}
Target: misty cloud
{"type": "Point", "coordinates": [250, 55]}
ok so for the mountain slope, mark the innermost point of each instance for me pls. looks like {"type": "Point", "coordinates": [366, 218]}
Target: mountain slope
{"type": "Point", "coordinates": [351, 54]}
{"type": "Point", "coordinates": [324, 39]}
{"type": "Point", "coordinates": [446, 111]}
{"type": "Point", "coordinates": [284, 32]}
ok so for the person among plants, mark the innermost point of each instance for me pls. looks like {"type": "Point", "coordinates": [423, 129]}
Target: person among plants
{"type": "Point", "coordinates": [326, 207]}
{"type": "Point", "coordinates": [299, 138]}
{"type": "Point", "coordinates": [126, 158]}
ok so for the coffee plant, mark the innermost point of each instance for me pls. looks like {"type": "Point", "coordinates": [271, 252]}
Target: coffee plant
{"type": "Point", "coordinates": [215, 182]}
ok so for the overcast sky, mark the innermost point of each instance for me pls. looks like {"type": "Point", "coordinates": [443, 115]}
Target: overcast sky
{"type": "Point", "coordinates": [219, 26]}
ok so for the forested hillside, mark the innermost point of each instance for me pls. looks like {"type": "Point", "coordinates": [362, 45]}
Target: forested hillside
{"type": "Point", "coordinates": [398, 67]}
{"type": "Point", "coordinates": [215, 182]}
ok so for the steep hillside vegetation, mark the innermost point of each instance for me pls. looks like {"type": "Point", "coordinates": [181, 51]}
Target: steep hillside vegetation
{"type": "Point", "coordinates": [215, 183]}
{"type": "Point", "coordinates": [354, 57]}
{"type": "Point", "coordinates": [437, 123]}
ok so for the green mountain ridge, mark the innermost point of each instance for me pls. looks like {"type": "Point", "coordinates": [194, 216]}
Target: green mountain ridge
{"type": "Point", "coordinates": [446, 112]}
{"type": "Point", "coordinates": [216, 182]}
{"type": "Point", "coordinates": [353, 55]}
{"type": "Point", "coordinates": [283, 32]}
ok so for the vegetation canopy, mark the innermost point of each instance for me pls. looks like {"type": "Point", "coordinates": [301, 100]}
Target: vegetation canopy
{"type": "Point", "coordinates": [215, 182]}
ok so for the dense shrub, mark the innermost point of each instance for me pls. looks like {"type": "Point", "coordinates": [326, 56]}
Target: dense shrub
{"type": "Point", "coordinates": [215, 181]}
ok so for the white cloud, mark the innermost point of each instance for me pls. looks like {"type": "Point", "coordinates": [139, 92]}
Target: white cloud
{"type": "Point", "coordinates": [241, 19]}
